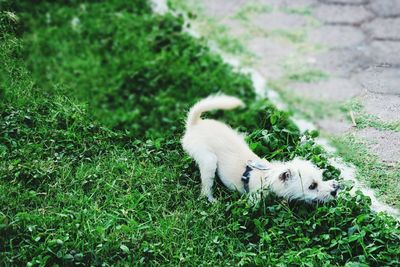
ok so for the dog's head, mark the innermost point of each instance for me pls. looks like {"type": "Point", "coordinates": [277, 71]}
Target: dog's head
{"type": "Point", "coordinates": [302, 180]}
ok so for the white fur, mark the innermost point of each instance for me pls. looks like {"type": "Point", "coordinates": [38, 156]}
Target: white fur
{"type": "Point", "coordinates": [216, 147]}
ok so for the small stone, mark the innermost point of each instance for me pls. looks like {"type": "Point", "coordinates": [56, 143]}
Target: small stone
{"type": "Point", "coordinates": [380, 79]}
{"type": "Point", "coordinates": [384, 29]}
{"type": "Point", "coordinates": [334, 89]}
{"type": "Point", "coordinates": [334, 126]}
{"type": "Point", "coordinates": [278, 20]}
{"type": "Point", "coordinates": [271, 53]}
{"type": "Point", "coordinates": [288, 3]}
{"type": "Point", "coordinates": [336, 36]}
{"type": "Point", "coordinates": [385, 144]}
{"type": "Point", "coordinates": [385, 8]}
{"type": "Point", "coordinates": [387, 52]}
{"type": "Point", "coordinates": [385, 107]}
{"type": "Point", "coordinates": [343, 62]}
{"type": "Point", "coordinates": [342, 14]}
{"type": "Point", "coordinates": [220, 8]}
{"type": "Point", "coordinates": [235, 27]}
{"type": "Point", "coordinates": [298, 3]}
{"type": "Point", "coordinates": [345, 2]}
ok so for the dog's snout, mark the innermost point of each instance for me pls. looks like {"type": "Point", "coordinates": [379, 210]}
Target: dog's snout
{"type": "Point", "coordinates": [336, 186]}
{"type": "Point", "coordinates": [335, 190]}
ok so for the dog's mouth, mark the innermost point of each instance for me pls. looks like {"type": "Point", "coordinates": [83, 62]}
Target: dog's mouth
{"type": "Point", "coordinates": [318, 200]}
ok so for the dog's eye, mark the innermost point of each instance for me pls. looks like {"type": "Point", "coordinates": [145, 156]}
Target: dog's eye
{"type": "Point", "coordinates": [313, 186]}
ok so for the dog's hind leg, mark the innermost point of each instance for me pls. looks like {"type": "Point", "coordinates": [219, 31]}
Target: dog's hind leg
{"type": "Point", "coordinates": [207, 162]}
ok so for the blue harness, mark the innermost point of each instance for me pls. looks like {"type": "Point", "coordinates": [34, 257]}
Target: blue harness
{"type": "Point", "coordinates": [246, 175]}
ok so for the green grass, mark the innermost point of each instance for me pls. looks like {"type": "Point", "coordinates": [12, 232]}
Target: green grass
{"type": "Point", "coordinates": [91, 167]}
{"type": "Point", "coordinates": [311, 109]}
{"type": "Point", "coordinates": [255, 8]}
{"type": "Point", "coordinates": [384, 178]}
{"type": "Point", "coordinates": [225, 42]}
{"type": "Point", "coordinates": [251, 9]}
{"type": "Point", "coordinates": [295, 70]}
{"type": "Point", "coordinates": [208, 26]}
{"type": "Point", "coordinates": [294, 36]}
{"type": "Point", "coordinates": [307, 75]}
{"type": "Point", "coordinates": [304, 11]}
{"type": "Point", "coordinates": [364, 120]}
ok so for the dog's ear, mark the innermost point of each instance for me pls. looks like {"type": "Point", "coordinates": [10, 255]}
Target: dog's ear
{"type": "Point", "coordinates": [285, 176]}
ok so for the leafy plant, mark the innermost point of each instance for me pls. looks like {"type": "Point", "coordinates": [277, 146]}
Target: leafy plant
{"type": "Point", "coordinates": [91, 167]}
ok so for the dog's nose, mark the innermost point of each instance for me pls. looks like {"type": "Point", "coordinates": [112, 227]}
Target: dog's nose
{"type": "Point", "coordinates": [336, 188]}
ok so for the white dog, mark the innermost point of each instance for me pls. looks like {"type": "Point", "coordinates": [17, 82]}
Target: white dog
{"type": "Point", "coordinates": [217, 147]}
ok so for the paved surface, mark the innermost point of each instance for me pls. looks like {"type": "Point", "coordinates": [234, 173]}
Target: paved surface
{"type": "Point", "coordinates": [357, 42]}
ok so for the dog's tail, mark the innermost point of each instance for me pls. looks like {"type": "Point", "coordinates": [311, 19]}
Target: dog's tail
{"type": "Point", "coordinates": [211, 103]}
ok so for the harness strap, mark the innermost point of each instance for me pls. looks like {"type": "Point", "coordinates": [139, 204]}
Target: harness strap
{"type": "Point", "coordinates": [246, 175]}
{"type": "Point", "coordinates": [246, 178]}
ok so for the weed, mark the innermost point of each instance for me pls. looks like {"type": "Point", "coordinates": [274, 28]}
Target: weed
{"type": "Point", "coordinates": [380, 176]}
{"type": "Point", "coordinates": [291, 35]}
{"type": "Point", "coordinates": [251, 9]}
{"type": "Point", "coordinates": [364, 120]}
{"type": "Point", "coordinates": [228, 44]}
{"type": "Point", "coordinates": [307, 75]}
{"type": "Point", "coordinates": [304, 11]}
